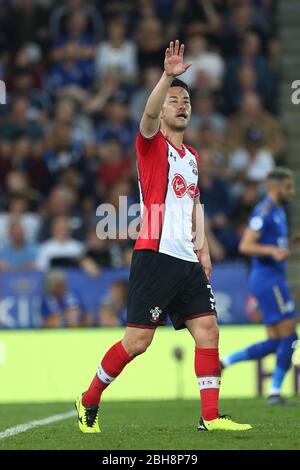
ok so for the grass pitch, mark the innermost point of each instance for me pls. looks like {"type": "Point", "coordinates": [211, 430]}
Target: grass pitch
{"type": "Point", "coordinates": [161, 425]}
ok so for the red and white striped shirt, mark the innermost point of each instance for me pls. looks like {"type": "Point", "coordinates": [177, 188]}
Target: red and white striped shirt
{"type": "Point", "coordinates": [168, 183]}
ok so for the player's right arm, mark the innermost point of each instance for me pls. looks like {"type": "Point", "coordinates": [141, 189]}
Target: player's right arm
{"type": "Point", "coordinates": [250, 246]}
{"type": "Point", "coordinates": [173, 66]}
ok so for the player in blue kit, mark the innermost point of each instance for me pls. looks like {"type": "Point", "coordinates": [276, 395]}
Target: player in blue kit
{"type": "Point", "coordinates": [266, 241]}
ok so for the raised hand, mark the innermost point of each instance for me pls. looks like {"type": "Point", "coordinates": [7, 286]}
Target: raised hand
{"type": "Point", "coordinates": [174, 65]}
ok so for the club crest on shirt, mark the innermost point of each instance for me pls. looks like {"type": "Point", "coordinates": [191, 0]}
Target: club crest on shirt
{"type": "Point", "coordinates": [194, 166]}
{"type": "Point", "coordinates": [155, 313]}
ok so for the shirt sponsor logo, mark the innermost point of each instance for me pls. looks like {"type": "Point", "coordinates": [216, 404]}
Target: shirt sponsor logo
{"type": "Point", "coordinates": [180, 187]}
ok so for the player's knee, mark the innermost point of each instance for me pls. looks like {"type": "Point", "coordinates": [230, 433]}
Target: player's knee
{"type": "Point", "coordinates": [136, 346]}
{"type": "Point", "coordinates": [213, 333]}
{"type": "Point", "coordinates": [207, 336]}
{"type": "Point", "coordinates": [139, 346]}
{"type": "Point", "coordinates": [136, 341]}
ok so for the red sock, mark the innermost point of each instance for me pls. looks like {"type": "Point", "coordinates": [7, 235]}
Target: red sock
{"type": "Point", "coordinates": [112, 365]}
{"type": "Point", "coordinates": [207, 369]}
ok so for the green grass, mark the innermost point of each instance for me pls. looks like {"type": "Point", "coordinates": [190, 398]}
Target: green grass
{"type": "Point", "coordinates": [154, 425]}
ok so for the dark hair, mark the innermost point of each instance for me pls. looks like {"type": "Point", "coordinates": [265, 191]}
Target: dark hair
{"type": "Point", "coordinates": [279, 174]}
{"type": "Point", "coordinates": [180, 83]}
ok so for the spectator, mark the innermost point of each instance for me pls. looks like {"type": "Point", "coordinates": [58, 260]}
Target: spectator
{"type": "Point", "coordinates": [37, 170]}
{"type": "Point", "coordinates": [214, 192]}
{"type": "Point", "coordinates": [211, 147]}
{"type": "Point", "coordinates": [204, 114]}
{"type": "Point", "coordinates": [241, 19]}
{"type": "Point", "coordinates": [250, 60]}
{"type": "Point", "coordinates": [117, 52]}
{"type": "Point", "coordinates": [101, 250]}
{"type": "Point", "coordinates": [107, 86]}
{"type": "Point", "coordinates": [252, 114]}
{"type": "Point", "coordinates": [202, 17]}
{"type": "Point", "coordinates": [242, 207]}
{"type": "Point", "coordinates": [76, 44]}
{"type": "Point", "coordinates": [61, 14]}
{"type": "Point", "coordinates": [60, 306]}
{"type": "Point", "coordinates": [209, 63]}
{"type": "Point", "coordinates": [151, 75]}
{"type": "Point", "coordinates": [117, 8]}
{"type": "Point", "coordinates": [150, 41]}
{"type": "Point", "coordinates": [28, 22]}
{"type": "Point", "coordinates": [115, 165]}
{"type": "Point", "coordinates": [73, 54]}
{"type": "Point", "coordinates": [117, 123]}
{"type": "Point", "coordinates": [60, 248]}
{"type": "Point", "coordinates": [113, 308]}
{"type": "Point", "coordinates": [81, 127]}
{"type": "Point", "coordinates": [17, 181]}
{"type": "Point", "coordinates": [25, 84]}
{"type": "Point", "coordinates": [29, 57]}
{"type": "Point", "coordinates": [246, 84]}
{"type": "Point", "coordinates": [17, 253]}
{"type": "Point", "coordinates": [215, 197]}
{"type": "Point", "coordinates": [253, 162]}
{"type": "Point", "coordinates": [63, 150]}
{"type": "Point", "coordinates": [61, 202]}
{"type": "Point", "coordinates": [17, 185]}
{"type": "Point", "coordinates": [19, 124]}
{"type": "Point", "coordinates": [17, 208]}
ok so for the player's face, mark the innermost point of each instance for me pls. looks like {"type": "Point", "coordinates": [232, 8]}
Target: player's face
{"type": "Point", "coordinates": [176, 110]}
{"type": "Point", "coordinates": [287, 190]}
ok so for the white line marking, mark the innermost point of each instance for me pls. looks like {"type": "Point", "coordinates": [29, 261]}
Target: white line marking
{"type": "Point", "coordinates": [33, 424]}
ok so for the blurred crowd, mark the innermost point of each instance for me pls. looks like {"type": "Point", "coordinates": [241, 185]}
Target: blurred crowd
{"type": "Point", "coordinates": [78, 74]}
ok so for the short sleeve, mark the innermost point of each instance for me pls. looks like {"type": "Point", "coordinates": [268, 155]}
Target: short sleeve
{"type": "Point", "coordinates": [147, 148]}
{"type": "Point", "coordinates": [259, 219]}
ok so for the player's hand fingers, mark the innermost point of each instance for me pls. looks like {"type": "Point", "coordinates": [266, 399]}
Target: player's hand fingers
{"type": "Point", "coordinates": [167, 53]}
{"type": "Point", "coordinates": [181, 50]}
{"type": "Point", "coordinates": [176, 49]}
{"type": "Point", "coordinates": [171, 48]}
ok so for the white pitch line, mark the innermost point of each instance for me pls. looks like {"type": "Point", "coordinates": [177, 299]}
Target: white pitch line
{"type": "Point", "coordinates": [33, 424]}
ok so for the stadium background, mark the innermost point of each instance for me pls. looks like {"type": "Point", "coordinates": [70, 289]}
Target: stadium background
{"type": "Point", "coordinates": [77, 75]}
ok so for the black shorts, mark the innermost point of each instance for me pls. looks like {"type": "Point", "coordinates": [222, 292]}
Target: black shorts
{"type": "Point", "coordinates": [161, 286]}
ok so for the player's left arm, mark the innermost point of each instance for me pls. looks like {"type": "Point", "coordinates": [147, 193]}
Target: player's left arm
{"type": "Point", "coordinates": [199, 238]}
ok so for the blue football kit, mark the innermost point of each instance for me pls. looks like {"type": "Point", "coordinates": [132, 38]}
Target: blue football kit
{"type": "Point", "coordinates": [268, 277]}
